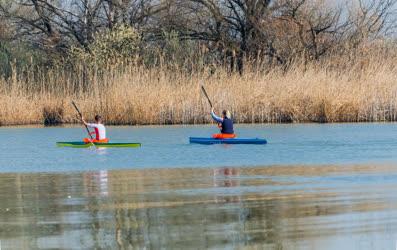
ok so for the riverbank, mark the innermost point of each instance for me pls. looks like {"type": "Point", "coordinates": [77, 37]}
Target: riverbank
{"type": "Point", "coordinates": [141, 96]}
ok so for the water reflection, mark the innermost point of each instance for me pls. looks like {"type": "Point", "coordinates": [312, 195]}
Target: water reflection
{"type": "Point", "coordinates": [297, 207]}
{"type": "Point", "coordinates": [96, 183]}
{"type": "Point", "coordinates": [226, 177]}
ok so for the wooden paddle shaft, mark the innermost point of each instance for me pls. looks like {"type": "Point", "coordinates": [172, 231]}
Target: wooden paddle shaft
{"type": "Point", "coordinates": [206, 95]}
{"type": "Point", "coordinates": [81, 116]}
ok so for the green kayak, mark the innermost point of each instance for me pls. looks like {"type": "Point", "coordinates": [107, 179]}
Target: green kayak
{"type": "Point", "coordinates": [80, 144]}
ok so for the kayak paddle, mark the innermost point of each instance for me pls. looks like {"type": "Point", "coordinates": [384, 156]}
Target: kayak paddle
{"type": "Point", "coordinates": [81, 117]}
{"type": "Point", "coordinates": [206, 95]}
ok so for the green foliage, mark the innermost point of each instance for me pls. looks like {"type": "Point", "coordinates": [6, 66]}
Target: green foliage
{"type": "Point", "coordinates": [117, 45]}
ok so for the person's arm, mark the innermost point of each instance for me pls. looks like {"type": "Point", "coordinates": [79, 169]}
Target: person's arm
{"type": "Point", "coordinates": [84, 122]}
{"type": "Point", "coordinates": [215, 117]}
{"type": "Point", "coordinates": [90, 125]}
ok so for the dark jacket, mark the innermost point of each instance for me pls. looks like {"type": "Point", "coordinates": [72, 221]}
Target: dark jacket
{"type": "Point", "coordinates": [227, 126]}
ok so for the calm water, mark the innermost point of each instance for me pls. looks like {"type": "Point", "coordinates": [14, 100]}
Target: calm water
{"type": "Point", "coordinates": [311, 187]}
{"type": "Point", "coordinates": [34, 149]}
{"type": "Point", "coordinates": [297, 207]}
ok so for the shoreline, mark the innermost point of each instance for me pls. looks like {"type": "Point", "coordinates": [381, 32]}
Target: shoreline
{"type": "Point", "coordinates": [77, 125]}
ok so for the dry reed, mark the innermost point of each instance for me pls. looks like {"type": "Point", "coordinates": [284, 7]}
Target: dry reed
{"type": "Point", "coordinates": [137, 95]}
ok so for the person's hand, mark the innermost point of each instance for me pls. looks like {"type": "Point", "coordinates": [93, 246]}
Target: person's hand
{"type": "Point", "coordinates": [212, 110]}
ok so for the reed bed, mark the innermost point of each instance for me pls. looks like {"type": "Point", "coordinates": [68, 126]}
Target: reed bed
{"type": "Point", "coordinates": [138, 95]}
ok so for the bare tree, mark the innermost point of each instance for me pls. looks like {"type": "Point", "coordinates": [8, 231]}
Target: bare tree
{"type": "Point", "coordinates": [371, 19]}
{"type": "Point", "coordinates": [57, 24]}
{"type": "Point", "coordinates": [232, 31]}
{"type": "Point", "coordinates": [303, 27]}
{"type": "Point", "coordinates": [229, 24]}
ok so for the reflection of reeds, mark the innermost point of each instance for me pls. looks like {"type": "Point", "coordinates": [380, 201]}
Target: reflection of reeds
{"type": "Point", "coordinates": [136, 95]}
{"type": "Point", "coordinates": [152, 205]}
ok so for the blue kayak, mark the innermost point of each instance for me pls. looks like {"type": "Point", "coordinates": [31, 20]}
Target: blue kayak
{"type": "Point", "coordinates": [201, 140]}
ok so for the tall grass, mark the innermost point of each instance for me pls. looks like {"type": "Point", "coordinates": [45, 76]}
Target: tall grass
{"type": "Point", "coordinates": [360, 91]}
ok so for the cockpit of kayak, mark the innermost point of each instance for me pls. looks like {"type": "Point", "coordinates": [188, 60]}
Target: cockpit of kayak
{"type": "Point", "coordinates": [82, 144]}
{"type": "Point", "coordinates": [209, 141]}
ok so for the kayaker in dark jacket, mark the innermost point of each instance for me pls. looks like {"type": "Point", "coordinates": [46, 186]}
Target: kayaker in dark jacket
{"type": "Point", "coordinates": [225, 123]}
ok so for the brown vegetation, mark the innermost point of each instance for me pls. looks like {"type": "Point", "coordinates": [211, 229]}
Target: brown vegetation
{"type": "Point", "coordinates": [325, 92]}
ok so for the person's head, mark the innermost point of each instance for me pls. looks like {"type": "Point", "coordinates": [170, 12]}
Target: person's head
{"type": "Point", "coordinates": [98, 119]}
{"type": "Point", "coordinates": [226, 114]}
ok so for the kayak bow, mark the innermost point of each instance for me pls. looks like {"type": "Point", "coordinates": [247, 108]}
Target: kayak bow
{"type": "Point", "coordinates": [80, 144]}
{"type": "Point", "coordinates": [208, 141]}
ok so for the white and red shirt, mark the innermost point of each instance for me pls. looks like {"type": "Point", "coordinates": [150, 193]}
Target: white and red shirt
{"type": "Point", "coordinates": [100, 130]}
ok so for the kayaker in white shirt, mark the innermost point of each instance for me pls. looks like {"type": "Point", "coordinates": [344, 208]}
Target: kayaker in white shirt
{"type": "Point", "coordinates": [99, 128]}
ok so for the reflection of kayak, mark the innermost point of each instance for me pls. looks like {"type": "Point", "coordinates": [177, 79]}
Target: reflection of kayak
{"type": "Point", "coordinates": [80, 144]}
{"type": "Point", "coordinates": [201, 140]}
